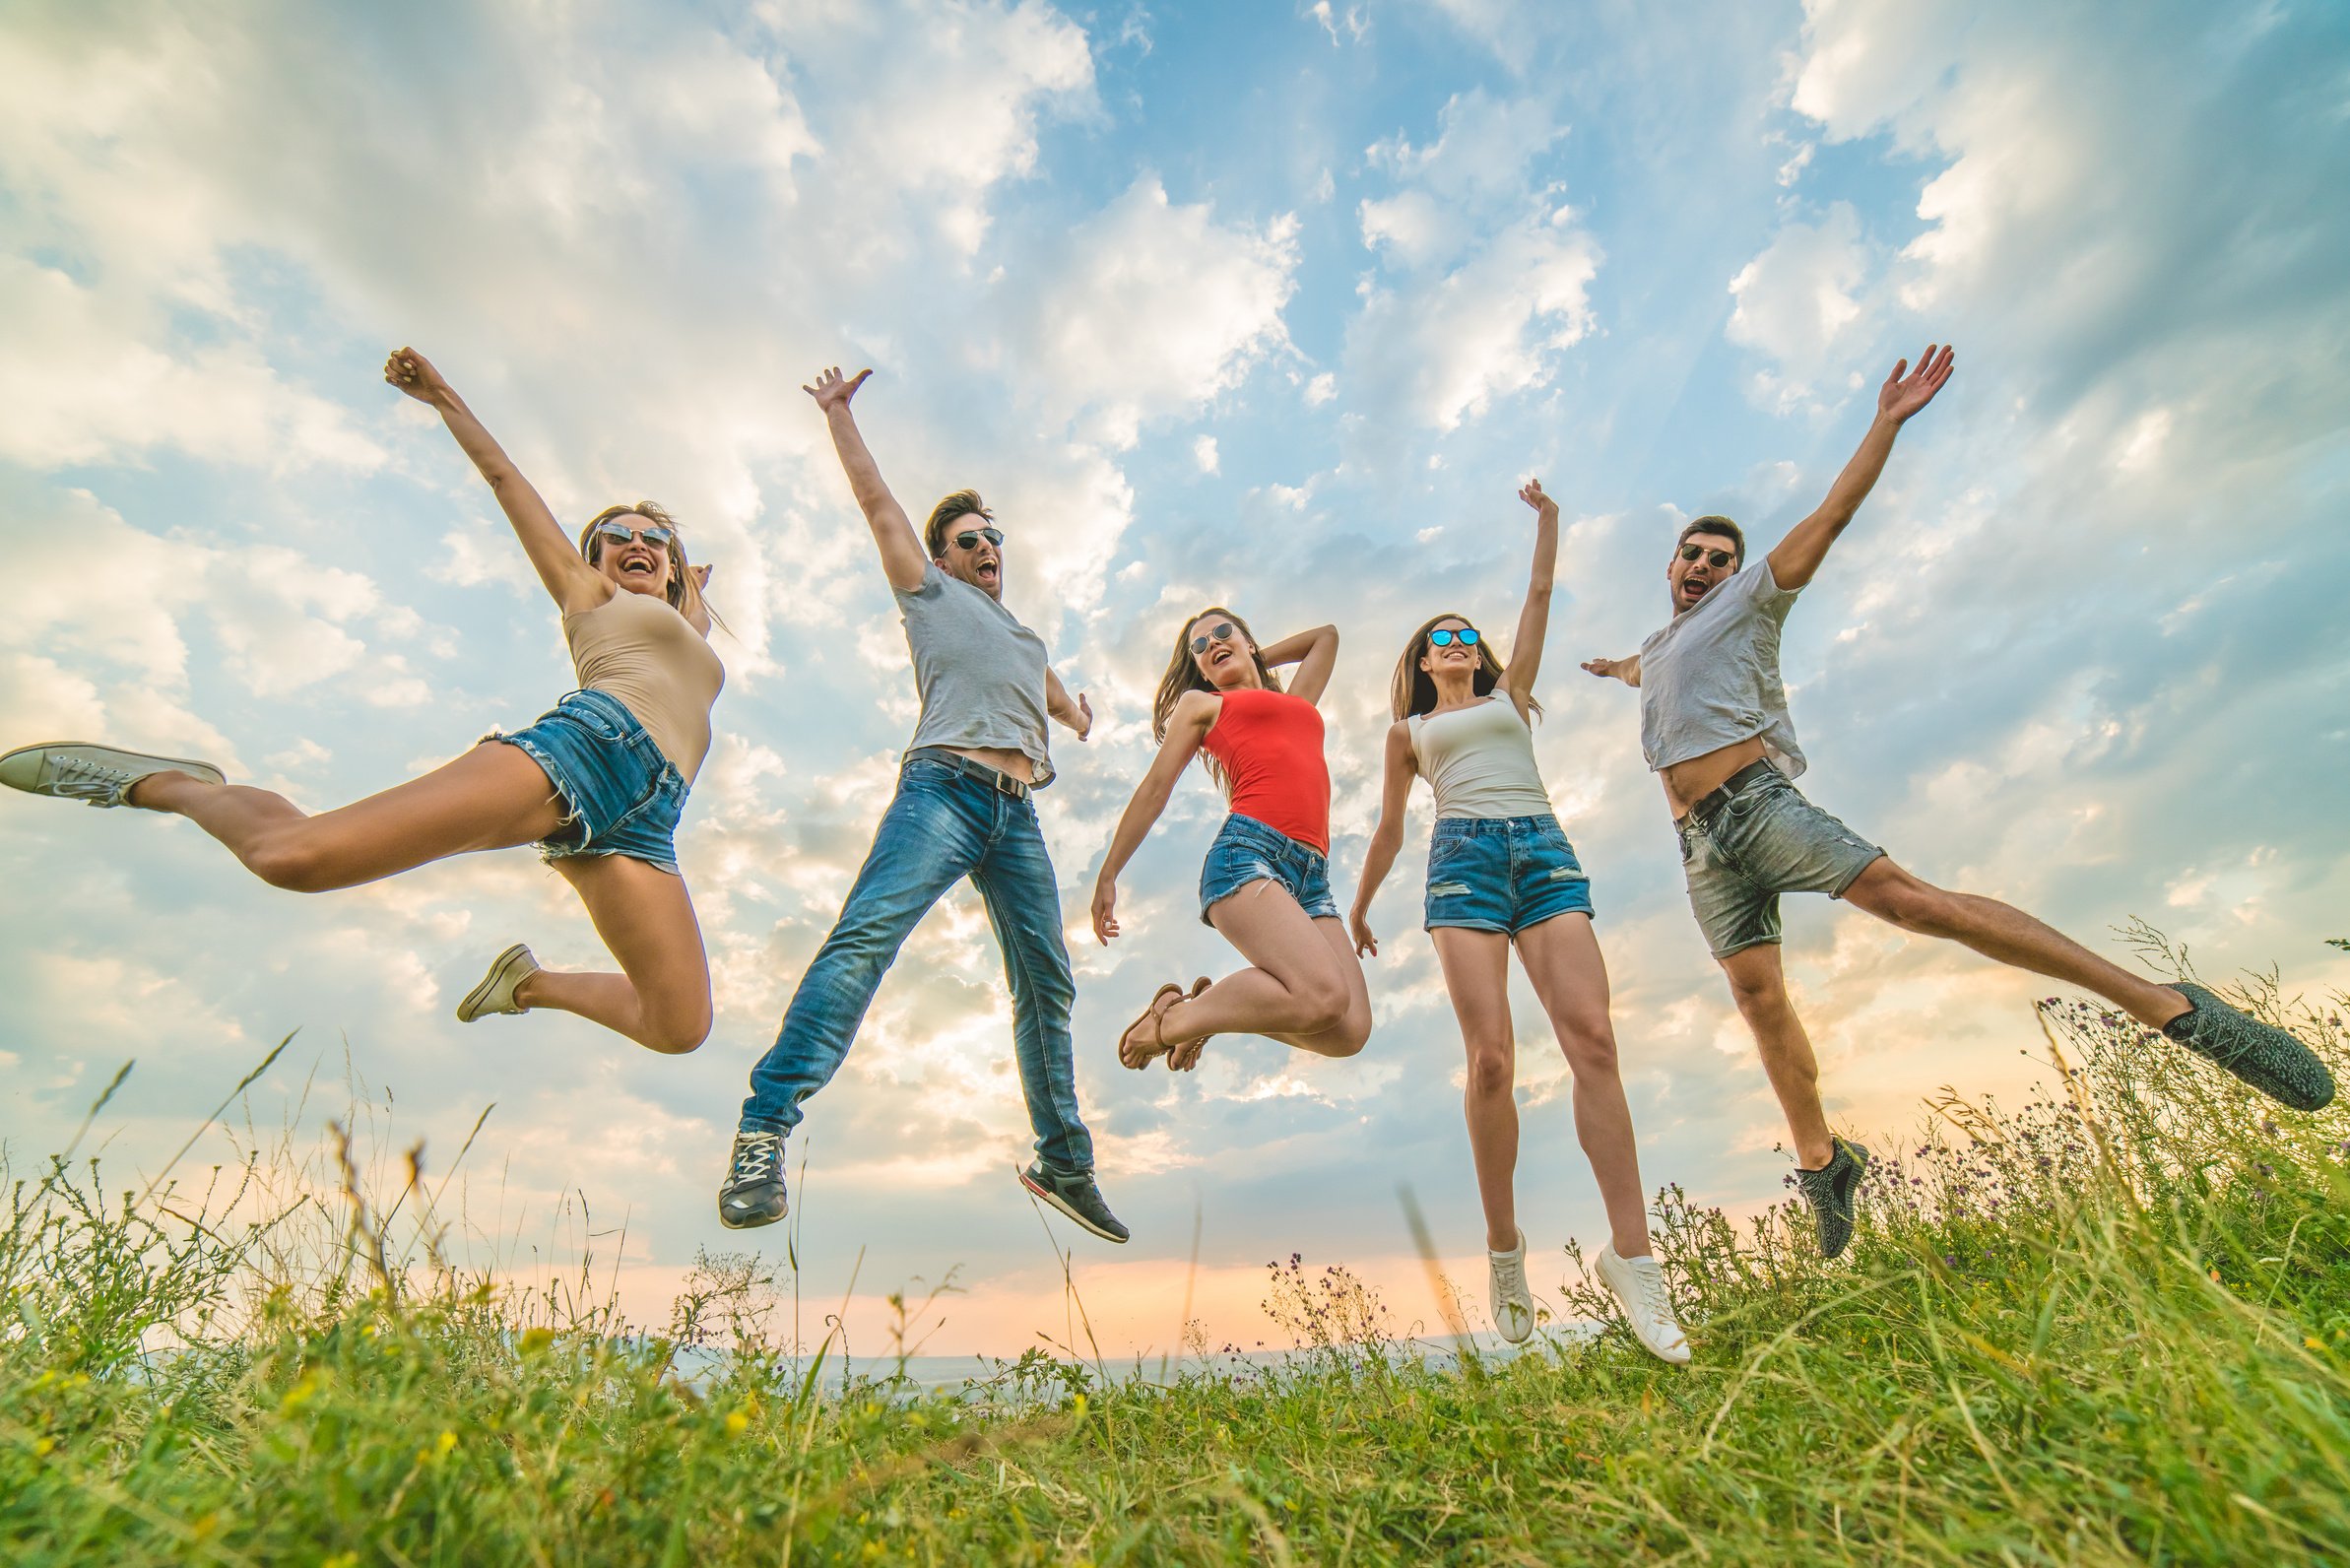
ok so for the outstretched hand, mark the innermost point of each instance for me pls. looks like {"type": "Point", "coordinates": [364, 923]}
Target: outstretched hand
{"type": "Point", "coordinates": [1606, 668]}
{"type": "Point", "coordinates": [831, 388]}
{"type": "Point", "coordinates": [414, 374]}
{"type": "Point", "coordinates": [1904, 395]}
{"type": "Point", "coordinates": [1085, 724]}
{"type": "Point", "coordinates": [1105, 911]}
{"type": "Point", "coordinates": [1532, 493]}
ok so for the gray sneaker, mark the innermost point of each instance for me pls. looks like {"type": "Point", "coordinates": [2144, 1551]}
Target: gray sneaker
{"type": "Point", "coordinates": [1513, 1304]}
{"type": "Point", "coordinates": [2265, 1056]}
{"type": "Point", "coordinates": [495, 993]}
{"type": "Point", "coordinates": [1075, 1195]}
{"type": "Point", "coordinates": [97, 775]}
{"type": "Point", "coordinates": [752, 1193]}
{"type": "Point", "coordinates": [1829, 1192]}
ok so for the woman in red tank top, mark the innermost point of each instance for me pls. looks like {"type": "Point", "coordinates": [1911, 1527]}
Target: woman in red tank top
{"type": "Point", "coordinates": [1266, 884]}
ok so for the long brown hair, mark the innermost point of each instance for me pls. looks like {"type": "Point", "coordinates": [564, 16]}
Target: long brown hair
{"type": "Point", "coordinates": [1182, 675]}
{"type": "Point", "coordinates": [684, 588]}
{"type": "Point", "coordinates": [1414, 690]}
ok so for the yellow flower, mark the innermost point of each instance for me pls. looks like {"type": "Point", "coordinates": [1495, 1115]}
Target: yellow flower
{"type": "Point", "coordinates": [737, 1422]}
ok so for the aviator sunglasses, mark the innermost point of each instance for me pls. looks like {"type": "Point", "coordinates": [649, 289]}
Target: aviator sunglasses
{"type": "Point", "coordinates": [1443, 638]}
{"type": "Point", "coordinates": [1718, 560]}
{"type": "Point", "coordinates": [969, 538]}
{"type": "Point", "coordinates": [620, 533]}
{"type": "Point", "coordinates": [1221, 631]}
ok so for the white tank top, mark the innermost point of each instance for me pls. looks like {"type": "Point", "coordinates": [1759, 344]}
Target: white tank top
{"type": "Point", "coordinates": [1480, 762]}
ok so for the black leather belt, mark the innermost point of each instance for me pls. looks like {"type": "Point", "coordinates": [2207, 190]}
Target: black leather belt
{"type": "Point", "coordinates": [994, 778]}
{"type": "Point", "coordinates": [1751, 773]}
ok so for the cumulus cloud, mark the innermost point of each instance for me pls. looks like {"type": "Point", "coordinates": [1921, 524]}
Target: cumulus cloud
{"type": "Point", "coordinates": [1799, 302]}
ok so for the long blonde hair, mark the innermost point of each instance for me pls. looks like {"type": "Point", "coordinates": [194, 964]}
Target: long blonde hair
{"type": "Point", "coordinates": [1414, 690]}
{"type": "Point", "coordinates": [1182, 675]}
{"type": "Point", "coordinates": [684, 588]}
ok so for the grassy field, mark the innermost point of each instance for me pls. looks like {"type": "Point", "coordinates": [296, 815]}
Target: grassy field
{"type": "Point", "coordinates": [2111, 1325]}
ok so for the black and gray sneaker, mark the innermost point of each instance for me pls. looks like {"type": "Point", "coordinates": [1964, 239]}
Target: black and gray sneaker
{"type": "Point", "coordinates": [1075, 1195]}
{"type": "Point", "coordinates": [1829, 1192]}
{"type": "Point", "coordinates": [2265, 1056]}
{"type": "Point", "coordinates": [752, 1193]}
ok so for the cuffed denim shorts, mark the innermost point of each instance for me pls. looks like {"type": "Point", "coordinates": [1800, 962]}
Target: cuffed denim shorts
{"type": "Point", "coordinates": [1765, 840]}
{"type": "Point", "coordinates": [1503, 874]}
{"type": "Point", "coordinates": [620, 796]}
{"type": "Point", "coordinates": [1247, 851]}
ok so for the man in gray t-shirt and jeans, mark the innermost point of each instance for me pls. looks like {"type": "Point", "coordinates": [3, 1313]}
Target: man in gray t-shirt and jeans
{"type": "Point", "coordinates": [1713, 726]}
{"type": "Point", "coordinates": [962, 809]}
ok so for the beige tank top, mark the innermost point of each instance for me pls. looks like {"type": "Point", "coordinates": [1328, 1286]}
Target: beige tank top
{"type": "Point", "coordinates": [1480, 762]}
{"type": "Point", "coordinates": [639, 650]}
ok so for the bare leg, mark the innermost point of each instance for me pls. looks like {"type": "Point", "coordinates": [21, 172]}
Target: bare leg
{"type": "Point", "coordinates": [661, 998]}
{"type": "Point", "coordinates": [1305, 987]}
{"type": "Point", "coordinates": [1562, 960]}
{"type": "Point", "coordinates": [1758, 985]}
{"type": "Point", "coordinates": [2008, 934]}
{"type": "Point", "coordinates": [493, 797]}
{"type": "Point", "coordinates": [1476, 975]}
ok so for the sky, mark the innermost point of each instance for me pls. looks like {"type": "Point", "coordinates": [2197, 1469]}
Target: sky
{"type": "Point", "coordinates": [1270, 306]}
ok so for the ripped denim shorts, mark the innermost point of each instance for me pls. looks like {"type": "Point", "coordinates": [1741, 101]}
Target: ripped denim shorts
{"type": "Point", "coordinates": [1503, 874]}
{"type": "Point", "coordinates": [620, 796]}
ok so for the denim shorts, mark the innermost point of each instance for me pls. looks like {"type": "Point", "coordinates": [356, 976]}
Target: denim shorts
{"type": "Point", "coordinates": [620, 796]}
{"type": "Point", "coordinates": [1765, 840]}
{"type": "Point", "coordinates": [1503, 874]}
{"type": "Point", "coordinates": [1246, 851]}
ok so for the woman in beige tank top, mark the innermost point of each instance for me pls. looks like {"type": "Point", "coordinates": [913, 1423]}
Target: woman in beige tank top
{"type": "Point", "coordinates": [597, 783]}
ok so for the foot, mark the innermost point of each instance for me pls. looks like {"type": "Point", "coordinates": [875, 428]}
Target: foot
{"type": "Point", "coordinates": [1639, 1288]}
{"type": "Point", "coordinates": [2262, 1054]}
{"type": "Point", "coordinates": [1513, 1303]}
{"type": "Point", "coordinates": [98, 775]}
{"type": "Point", "coordinates": [1134, 1049]}
{"type": "Point", "coordinates": [1186, 1056]}
{"type": "Point", "coordinates": [752, 1193]}
{"type": "Point", "coordinates": [1075, 1195]}
{"type": "Point", "coordinates": [496, 992]}
{"type": "Point", "coordinates": [1829, 1192]}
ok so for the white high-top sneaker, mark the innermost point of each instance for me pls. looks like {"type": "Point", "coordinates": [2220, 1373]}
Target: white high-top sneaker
{"type": "Point", "coordinates": [1639, 1285]}
{"type": "Point", "coordinates": [1513, 1303]}
{"type": "Point", "coordinates": [97, 776]}
{"type": "Point", "coordinates": [496, 992]}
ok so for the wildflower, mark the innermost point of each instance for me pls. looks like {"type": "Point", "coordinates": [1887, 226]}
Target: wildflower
{"type": "Point", "coordinates": [737, 1422]}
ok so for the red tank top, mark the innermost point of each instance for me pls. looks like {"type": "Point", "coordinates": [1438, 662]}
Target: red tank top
{"type": "Point", "coordinates": [1270, 745]}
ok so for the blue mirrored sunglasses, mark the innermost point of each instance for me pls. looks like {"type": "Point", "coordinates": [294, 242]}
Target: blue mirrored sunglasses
{"type": "Point", "coordinates": [1443, 637]}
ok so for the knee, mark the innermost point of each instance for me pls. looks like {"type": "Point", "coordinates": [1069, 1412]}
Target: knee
{"type": "Point", "coordinates": [1588, 1045]}
{"type": "Point", "coordinates": [678, 1035]}
{"type": "Point", "coordinates": [1759, 996]}
{"type": "Point", "coordinates": [1491, 1068]}
{"type": "Point", "coordinates": [1322, 1002]}
{"type": "Point", "coordinates": [293, 863]}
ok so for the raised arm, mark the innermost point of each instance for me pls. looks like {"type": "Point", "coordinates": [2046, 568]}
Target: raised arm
{"type": "Point", "coordinates": [569, 580]}
{"type": "Point", "coordinates": [1076, 713]}
{"type": "Point", "coordinates": [902, 560]}
{"type": "Point", "coordinates": [1534, 621]}
{"type": "Point", "coordinates": [1315, 653]}
{"type": "Point", "coordinates": [1799, 555]}
{"type": "Point", "coordinates": [1625, 670]}
{"type": "Point", "coordinates": [1195, 714]}
{"type": "Point", "coordinates": [1387, 839]}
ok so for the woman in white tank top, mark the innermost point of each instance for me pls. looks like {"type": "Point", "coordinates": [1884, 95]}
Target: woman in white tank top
{"type": "Point", "coordinates": [1501, 873]}
{"type": "Point", "coordinates": [597, 783]}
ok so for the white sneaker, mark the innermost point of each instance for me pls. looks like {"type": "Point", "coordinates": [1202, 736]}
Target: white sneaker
{"type": "Point", "coordinates": [1639, 1286]}
{"type": "Point", "coordinates": [1513, 1304]}
{"type": "Point", "coordinates": [98, 775]}
{"type": "Point", "coordinates": [495, 993]}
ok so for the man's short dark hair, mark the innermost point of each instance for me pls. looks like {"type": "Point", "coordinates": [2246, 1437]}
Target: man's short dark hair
{"type": "Point", "coordinates": [1716, 525]}
{"type": "Point", "coordinates": [963, 503]}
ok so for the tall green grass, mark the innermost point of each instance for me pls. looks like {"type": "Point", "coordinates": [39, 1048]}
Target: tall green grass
{"type": "Point", "coordinates": [2109, 1325]}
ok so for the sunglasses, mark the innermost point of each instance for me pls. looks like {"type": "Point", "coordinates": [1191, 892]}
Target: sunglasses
{"type": "Point", "coordinates": [969, 538]}
{"type": "Point", "coordinates": [1718, 560]}
{"type": "Point", "coordinates": [620, 533]}
{"type": "Point", "coordinates": [1221, 631]}
{"type": "Point", "coordinates": [1444, 638]}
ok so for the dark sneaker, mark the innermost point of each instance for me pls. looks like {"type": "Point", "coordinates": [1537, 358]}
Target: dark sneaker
{"type": "Point", "coordinates": [2262, 1054]}
{"type": "Point", "coordinates": [1829, 1192]}
{"type": "Point", "coordinates": [1075, 1195]}
{"type": "Point", "coordinates": [752, 1193]}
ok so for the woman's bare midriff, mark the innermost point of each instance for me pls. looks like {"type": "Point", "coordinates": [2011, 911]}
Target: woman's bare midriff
{"type": "Point", "coordinates": [1687, 783]}
{"type": "Point", "coordinates": [1014, 763]}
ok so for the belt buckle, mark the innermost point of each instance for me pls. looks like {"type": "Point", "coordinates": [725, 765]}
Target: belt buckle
{"type": "Point", "coordinates": [1006, 784]}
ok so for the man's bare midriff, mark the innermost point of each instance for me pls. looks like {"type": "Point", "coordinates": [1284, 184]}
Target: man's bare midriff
{"type": "Point", "coordinates": [1687, 783]}
{"type": "Point", "coordinates": [1014, 763]}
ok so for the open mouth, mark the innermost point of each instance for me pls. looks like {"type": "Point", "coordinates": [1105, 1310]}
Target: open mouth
{"type": "Point", "coordinates": [1219, 656]}
{"type": "Point", "coordinates": [641, 567]}
{"type": "Point", "coordinates": [1695, 587]}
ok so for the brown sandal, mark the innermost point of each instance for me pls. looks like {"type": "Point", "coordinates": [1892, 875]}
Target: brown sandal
{"type": "Point", "coordinates": [1154, 1014]}
{"type": "Point", "coordinates": [1190, 1046]}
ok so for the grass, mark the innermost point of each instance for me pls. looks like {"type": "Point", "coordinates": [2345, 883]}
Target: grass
{"type": "Point", "coordinates": [2111, 1325]}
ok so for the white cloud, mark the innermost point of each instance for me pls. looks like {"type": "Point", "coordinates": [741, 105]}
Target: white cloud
{"type": "Point", "coordinates": [1799, 302]}
{"type": "Point", "coordinates": [1203, 455]}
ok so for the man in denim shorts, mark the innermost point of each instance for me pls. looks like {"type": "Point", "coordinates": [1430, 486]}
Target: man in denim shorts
{"type": "Point", "coordinates": [1713, 725]}
{"type": "Point", "coordinates": [962, 809]}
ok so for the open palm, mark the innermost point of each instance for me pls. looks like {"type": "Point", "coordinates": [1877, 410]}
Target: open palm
{"type": "Point", "coordinates": [1904, 395]}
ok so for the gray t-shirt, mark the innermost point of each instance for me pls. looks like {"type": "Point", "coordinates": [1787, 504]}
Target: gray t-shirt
{"type": "Point", "coordinates": [980, 672]}
{"type": "Point", "coordinates": [1711, 679]}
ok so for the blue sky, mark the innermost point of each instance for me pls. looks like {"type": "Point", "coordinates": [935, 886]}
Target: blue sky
{"type": "Point", "coordinates": [1271, 307]}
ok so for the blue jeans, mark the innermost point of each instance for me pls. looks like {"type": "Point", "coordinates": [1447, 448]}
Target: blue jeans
{"type": "Point", "coordinates": [940, 827]}
{"type": "Point", "coordinates": [1765, 840]}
